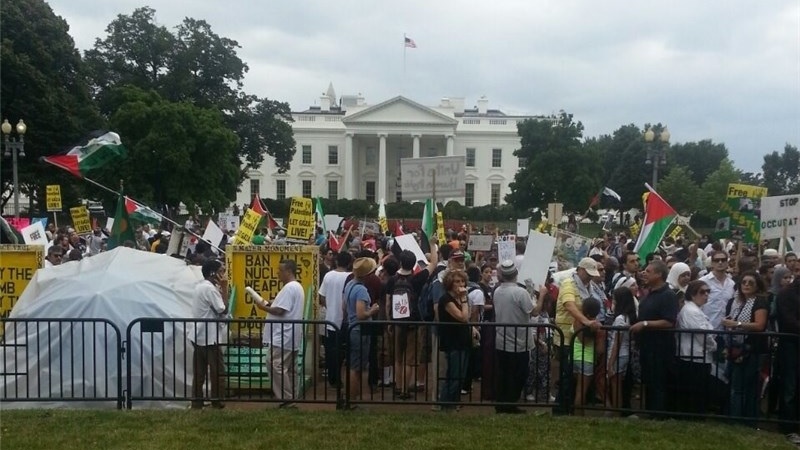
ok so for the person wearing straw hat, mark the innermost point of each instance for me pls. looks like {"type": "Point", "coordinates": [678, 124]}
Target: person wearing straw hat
{"type": "Point", "coordinates": [357, 301]}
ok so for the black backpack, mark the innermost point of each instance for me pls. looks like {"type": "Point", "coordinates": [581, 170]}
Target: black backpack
{"type": "Point", "coordinates": [403, 286]}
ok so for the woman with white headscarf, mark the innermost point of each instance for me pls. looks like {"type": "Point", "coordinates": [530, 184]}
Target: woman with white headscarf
{"type": "Point", "coordinates": [678, 279]}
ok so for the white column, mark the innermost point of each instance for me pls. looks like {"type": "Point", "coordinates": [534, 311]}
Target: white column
{"type": "Point", "coordinates": [415, 151]}
{"type": "Point", "coordinates": [450, 144]}
{"type": "Point", "coordinates": [381, 167]}
{"type": "Point", "coordinates": [348, 191]}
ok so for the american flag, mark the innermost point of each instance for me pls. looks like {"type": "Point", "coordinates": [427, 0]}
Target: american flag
{"type": "Point", "coordinates": [410, 42]}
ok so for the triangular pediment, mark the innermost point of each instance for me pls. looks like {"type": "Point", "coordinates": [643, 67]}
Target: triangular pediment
{"type": "Point", "coordinates": [400, 110]}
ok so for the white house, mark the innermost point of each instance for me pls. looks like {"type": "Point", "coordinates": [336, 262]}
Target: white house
{"type": "Point", "coordinates": [349, 149]}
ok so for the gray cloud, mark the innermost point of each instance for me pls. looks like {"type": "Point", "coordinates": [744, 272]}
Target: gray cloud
{"type": "Point", "coordinates": [709, 70]}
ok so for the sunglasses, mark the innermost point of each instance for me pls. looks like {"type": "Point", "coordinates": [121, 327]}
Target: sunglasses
{"type": "Point", "coordinates": [704, 291]}
{"type": "Point", "coordinates": [748, 282]}
{"type": "Point", "coordinates": [720, 260]}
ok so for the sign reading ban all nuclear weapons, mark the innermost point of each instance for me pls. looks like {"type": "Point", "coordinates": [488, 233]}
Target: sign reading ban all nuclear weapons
{"type": "Point", "coordinates": [779, 213]}
{"type": "Point", "coordinates": [257, 267]}
{"type": "Point", "coordinates": [18, 264]}
{"type": "Point", "coordinates": [301, 219]}
{"type": "Point", "coordinates": [418, 176]}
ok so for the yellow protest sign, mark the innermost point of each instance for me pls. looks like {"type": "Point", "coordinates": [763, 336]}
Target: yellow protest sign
{"type": "Point", "coordinates": [440, 228]}
{"type": "Point", "coordinates": [301, 219]}
{"type": "Point", "coordinates": [257, 267]}
{"type": "Point", "coordinates": [80, 219]}
{"type": "Point", "coordinates": [746, 191]}
{"type": "Point", "coordinates": [18, 264]}
{"type": "Point", "coordinates": [247, 227]}
{"type": "Point", "coordinates": [54, 198]}
{"type": "Point", "coordinates": [676, 232]}
{"type": "Point", "coordinates": [635, 227]}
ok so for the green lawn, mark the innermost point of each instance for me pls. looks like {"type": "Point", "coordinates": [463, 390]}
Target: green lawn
{"type": "Point", "coordinates": [145, 430]}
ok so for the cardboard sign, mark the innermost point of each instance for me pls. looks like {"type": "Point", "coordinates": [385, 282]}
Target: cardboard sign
{"type": "Point", "coordinates": [746, 190]}
{"type": "Point", "coordinates": [80, 219]}
{"type": "Point", "coordinates": [555, 211]}
{"type": "Point", "coordinates": [780, 216]}
{"type": "Point", "coordinates": [538, 254]}
{"type": "Point", "coordinates": [301, 219]}
{"type": "Point", "coordinates": [256, 267]}
{"type": "Point", "coordinates": [213, 233]}
{"type": "Point", "coordinates": [250, 221]}
{"type": "Point", "coordinates": [418, 176]}
{"type": "Point", "coordinates": [506, 248]}
{"type": "Point", "coordinates": [407, 242]}
{"type": "Point", "coordinates": [332, 222]}
{"type": "Point", "coordinates": [523, 225]}
{"type": "Point", "coordinates": [34, 234]}
{"type": "Point", "coordinates": [53, 198]}
{"type": "Point", "coordinates": [480, 243]}
{"type": "Point", "coordinates": [20, 263]}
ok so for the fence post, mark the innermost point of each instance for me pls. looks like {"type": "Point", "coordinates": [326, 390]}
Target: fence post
{"type": "Point", "coordinates": [564, 401]}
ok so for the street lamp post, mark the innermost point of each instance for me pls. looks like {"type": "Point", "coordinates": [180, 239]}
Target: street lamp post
{"type": "Point", "coordinates": [14, 148]}
{"type": "Point", "coordinates": [657, 145]}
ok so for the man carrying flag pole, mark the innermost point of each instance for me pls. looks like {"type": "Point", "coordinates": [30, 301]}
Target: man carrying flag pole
{"type": "Point", "coordinates": [658, 216]}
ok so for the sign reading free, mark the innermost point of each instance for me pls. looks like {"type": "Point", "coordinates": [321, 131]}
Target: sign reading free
{"type": "Point", "coordinates": [779, 213]}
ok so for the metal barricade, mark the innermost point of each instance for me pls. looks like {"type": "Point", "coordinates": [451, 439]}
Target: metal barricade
{"type": "Point", "coordinates": [677, 373]}
{"type": "Point", "coordinates": [206, 362]}
{"type": "Point", "coordinates": [61, 360]}
{"type": "Point", "coordinates": [448, 365]}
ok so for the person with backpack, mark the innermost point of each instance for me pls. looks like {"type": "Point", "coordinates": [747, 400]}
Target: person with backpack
{"type": "Point", "coordinates": [402, 305]}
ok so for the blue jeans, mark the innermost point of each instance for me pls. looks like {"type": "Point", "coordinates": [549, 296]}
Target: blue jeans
{"type": "Point", "coordinates": [744, 387]}
{"type": "Point", "coordinates": [457, 361]}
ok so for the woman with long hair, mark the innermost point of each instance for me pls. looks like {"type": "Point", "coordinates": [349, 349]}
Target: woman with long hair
{"type": "Point", "coordinates": [620, 343]}
{"type": "Point", "coordinates": [455, 338]}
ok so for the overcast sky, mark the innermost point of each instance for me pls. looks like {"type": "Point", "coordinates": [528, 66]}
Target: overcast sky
{"type": "Point", "coordinates": [720, 70]}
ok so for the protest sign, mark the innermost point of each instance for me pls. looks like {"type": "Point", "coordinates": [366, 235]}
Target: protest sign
{"type": "Point", "coordinates": [555, 211]}
{"type": "Point", "coordinates": [570, 249]}
{"type": "Point", "coordinates": [250, 221]}
{"type": "Point", "coordinates": [80, 219]}
{"type": "Point", "coordinates": [480, 242]}
{"type": "Point", "coordinates": [440, 228]}
{"type": "Point", "coordinates": [53, 198]}
{"type": "Point", "coordinates": [20, 263]}
{"type": "Point", "coordinates": [523, 225]}
{"type": "Point", "coordinates": [436, 177]}
{"type": "Point", "coordinates": [407, 242]}
{"type": "Point", "coordinates": [301, 219]}
{"type": "Point", "coordinates": [34, 234]}
{"type": "Point", "coordinates": [332, 222]}
{"type": "Point", "coordinates": [747, 191]}
{"type": "Point", "coordinates": [18, 223]}
{"type": "Point", "coordinates": [213, 233]}
{"type": "Point", "coordinates": [538, 254]}
{"type": "Point", "coordinates": [506, 247]}
{"type": "Point", "coordinates": [780, 216]}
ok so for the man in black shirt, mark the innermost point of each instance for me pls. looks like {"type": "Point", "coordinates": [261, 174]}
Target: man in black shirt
{"type": "Point", "coordinates": [658, 311]}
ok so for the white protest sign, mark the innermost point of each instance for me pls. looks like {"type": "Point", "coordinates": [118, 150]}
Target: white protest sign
{"type": "Point", "coordinates": [175, 241]}
{"type": "Point", "coordinates": [407, 242]}
{"type": "Point", "coordinates": [480, 242]}
{"type": "Point", "coordinates": [109, 223]}
{"type": "Point", "coordinates": [213, 233]}
{"type": "Point", "coordinates": [332, 222]}
{"type": "Point", "coordinates": [34, 234]}
{"type": "Point", "coordinates": [222, 220]}
{"type": "Point", "coordinates": [778, 213]}
{"type": "Point", "coordinates": [506, 248]}
{"type": "Point", "coordinates": [232, 223]}
{"type": "Point", "coordinates": [538, 254]}
{"type": "Point", "coordinates": [418, 175]}
{"type": "Point", "coordinates": [523, 225]}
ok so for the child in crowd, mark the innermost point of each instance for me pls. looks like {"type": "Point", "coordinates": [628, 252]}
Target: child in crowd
{"type": "Point", "coordinates": [620, 343]}
{"type": "Point", "coordinates": [587, 343]}
{"type": "Point", "coordinates": [537, 386]}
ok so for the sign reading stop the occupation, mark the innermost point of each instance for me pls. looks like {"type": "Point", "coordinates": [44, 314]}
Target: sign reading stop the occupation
{"type": "Point", "coordinates": [780, 216]}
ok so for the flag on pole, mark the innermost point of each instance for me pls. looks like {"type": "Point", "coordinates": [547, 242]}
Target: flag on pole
{"type": "Point", "coordinates": [96, 152]}
{"type": "Point", "coordinates": [320, 215]}
{"type": "Point", "coordinates": [610, 192]}
{"type": "Point", "coordinates": [409, 42]}
{"type": "Point", "coordinates": [141, 213]}
{"type": "Point", "coordinates": [266, 217]}
{"type": "Point", "coordinates": [428, 225]}
{"type": "Point", "coordinates": [382, 221]}
{"type": "Point", "coordinates": [605, 191]}
{"type": "Point", "coordinates": [121, 230]}
{"type": "Point", "coordinates": [658, 216]}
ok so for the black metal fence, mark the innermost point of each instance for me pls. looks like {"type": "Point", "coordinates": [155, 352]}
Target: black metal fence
{"type": "Point", "coordinates": [690, 374]}
{"type": "Point", "coordinates": [60, 360]}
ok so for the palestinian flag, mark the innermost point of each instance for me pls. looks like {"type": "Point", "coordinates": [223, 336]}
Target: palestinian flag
{"type": "Point", "coordinates": [320, 215]}
{"type": "Point", "coordinates": [428, 225]}
{"type": "Point", "coordinates": [266, 217]}
{"type": "Point", "coordinates": [95, 153]}
{"type": "Point", "coordinates": [141, 213]}
{"type": "Point", "coordinates": [658, 216]}
{"type": "Point", "coordinates": [121, 231]}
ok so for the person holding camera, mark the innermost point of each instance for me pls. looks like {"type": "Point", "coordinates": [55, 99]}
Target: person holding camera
{"type": "Point", "coordinates": [209, 336]}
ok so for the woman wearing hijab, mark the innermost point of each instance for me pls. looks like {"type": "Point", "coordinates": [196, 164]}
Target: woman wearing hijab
{"type": "Point", "coordinates": [678, 279]}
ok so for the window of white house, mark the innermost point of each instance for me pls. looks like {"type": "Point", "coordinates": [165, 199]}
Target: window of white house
{"type": "Point", "coordinates": [495, 197]}
{"type": "Point", "coordinates": [470, 157]}
{"type": "Point", "coordinates": [255, 188]}
{"type": "Point", "coordinates": [333, 190]}
{"type": "Point", "coordinates": [371, 191]}
{"type": "Point", "coordinates": [333, 155]}
{"type": "Point", "coordinates": [307, 188]}
{"type": "Point", "coordinates": [469, 194]}
{"type": "Point", "coordinates": [497, 157]}
{"type": "Point", "coordinates": [280, 191]}
{"type": "Point", "coordinates": [306, 154]}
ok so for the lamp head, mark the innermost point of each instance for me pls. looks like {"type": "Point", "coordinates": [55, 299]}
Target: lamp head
{"type": "Point", "coordinates": [6, 127]}
{"type": "Point", "coordinates": [21, 127]}
{"type": "Point", "coordinates": [664, 136]}
{"type": "Point", "coordinates": [649, 135]}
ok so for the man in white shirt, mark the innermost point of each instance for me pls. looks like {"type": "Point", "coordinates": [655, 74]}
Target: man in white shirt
{"type": "Point", "coordinates": [722, 289]}
{"type": "Point", "coordinates": [283, 338]}
{"type": "Point", "coordinates": [330, 297]}
{"type": "Point", "coordinates": [55, 254]}
{"type": "Point", "coordinates": [208, 336]}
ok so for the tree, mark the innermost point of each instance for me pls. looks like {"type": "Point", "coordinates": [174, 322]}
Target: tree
{"type": "Point", "coordinates": [782, 171]}
{"type": "Point", "coordinates": [624, 156]}
{"type": "Point", "coordinates": [43, 81]}
{"type": "Point", "coordinates": [702, 158]}
{"type": "Point", "coordinates": [176, 152]}
{"type": "Point", "coordinates": [559, 167]}
{"type": "Point", "coordinates": [193, 65]}
{"type": "Point", "coordinates": [679, 190]}
{"type": "Point", "coordinates": [714, 189]}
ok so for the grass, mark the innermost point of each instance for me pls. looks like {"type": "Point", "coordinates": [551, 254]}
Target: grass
{"type": "Point", "coordinates": [142, 429]}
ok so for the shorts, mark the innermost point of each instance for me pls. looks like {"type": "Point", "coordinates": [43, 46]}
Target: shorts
{"type": "Point", "coordinates": [619, 367]}
{"type": "Point", "coordinates": [358, 353]}
{"type": "Point", "coordinates": [584, 368]}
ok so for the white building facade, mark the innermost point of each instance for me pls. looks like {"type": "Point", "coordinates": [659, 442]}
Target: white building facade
{"type": "Point", "coordinates": [348, 149]}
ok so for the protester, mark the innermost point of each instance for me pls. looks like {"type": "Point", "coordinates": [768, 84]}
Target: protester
{"type": "Point", "coordinates": [358, 301]}
{"type": "Point", "coordinates": [678, 280]}
{"type": "Point", "coordinates": [455, 339]}
{"type": "Point", "coordinates": [54, 257]}
{"type": "Point", "coordinates": [722, 288]}
{"type": "Point", "coordinates": [788, 314]}
{"type": "Point", "coordinates": [330, 297]}
{"type": "Point", "coordinates": [619, 353]}
{"type": "Point", "coordinates": [208, 337]}
{"type": "Point", "coordinates": [695, 350]}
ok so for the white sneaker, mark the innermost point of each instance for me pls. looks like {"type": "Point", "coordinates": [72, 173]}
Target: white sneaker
{"type": "Point", "coordinates": [530, 398]}
{"type": "Point", "coordinates": [794, 438]}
